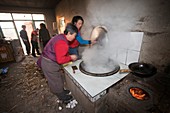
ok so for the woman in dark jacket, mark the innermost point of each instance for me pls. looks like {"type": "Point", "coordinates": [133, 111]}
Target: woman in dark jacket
{"type": "Point", "coordinates": [44, 35]}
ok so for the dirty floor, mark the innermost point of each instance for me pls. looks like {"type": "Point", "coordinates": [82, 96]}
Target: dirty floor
{"type": "Point", "coordinates": [24, 90]}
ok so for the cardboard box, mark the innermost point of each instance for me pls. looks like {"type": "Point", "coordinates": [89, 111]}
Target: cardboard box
{"type": "Point", "coordinates": [6, 53]}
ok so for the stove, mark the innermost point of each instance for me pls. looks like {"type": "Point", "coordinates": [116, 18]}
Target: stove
{"type": "Point", "coordinates": [93, 87]}
{"type": "Point", "coordinates": [120, 100]}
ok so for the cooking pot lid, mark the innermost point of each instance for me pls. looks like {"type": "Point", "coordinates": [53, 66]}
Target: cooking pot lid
{"type": "Point", "coordinates": [142, 69]}
{"type": "Point", "coordinates": [98, 32]}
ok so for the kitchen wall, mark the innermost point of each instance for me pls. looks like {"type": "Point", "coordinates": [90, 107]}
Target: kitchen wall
{"type": "Point", "coordinates": [151, 17]}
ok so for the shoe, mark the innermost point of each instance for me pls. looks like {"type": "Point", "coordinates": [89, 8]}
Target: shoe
{"type": "Point", "coordinates": [34, 55]}
{"type": "Point", "coordinates": [64, 97]}
{"type": "Point", "coordinates": [67, 92]}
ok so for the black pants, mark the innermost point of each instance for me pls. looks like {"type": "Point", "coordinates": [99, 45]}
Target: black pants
{"type": "Point", "coordinates": [27, 44]}
{"type": "Point", "coordinates": [35, 47]}
{"type": "Point", "coordinates": [44, 43]}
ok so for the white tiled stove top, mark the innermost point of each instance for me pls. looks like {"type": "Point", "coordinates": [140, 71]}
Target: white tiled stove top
{"type": "Point", "coordinates": [93, 87]}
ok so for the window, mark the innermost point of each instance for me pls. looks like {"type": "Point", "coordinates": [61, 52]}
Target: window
{"type": "Point", "coordinates": [5, 16]}
{"type": "Point", "coordinates": [17, 16]}
{"type": "Point", "coordinates": [61, 24]}
{"type": "Point", "coordinates": [38, 17]}
{"type": "Point", "coordinates": [37, 24]}
{"type": "Point", "coordinates": [10, 23]}
{"type": "Point", "coordinates": [8, 30]}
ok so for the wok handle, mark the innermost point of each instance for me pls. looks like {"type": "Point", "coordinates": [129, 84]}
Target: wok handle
{"type": "Point", "coordinates": [124, 71]}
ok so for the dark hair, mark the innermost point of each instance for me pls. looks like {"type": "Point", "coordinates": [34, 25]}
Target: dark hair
{"type": "Point", "coordinates": [23, 26]}
{"type": "Point", "coordinates": [70, 28]}
{"type": "Point", "coordinates": [42, 25]}
{"type": "Point", "coordinates": [76, 18]}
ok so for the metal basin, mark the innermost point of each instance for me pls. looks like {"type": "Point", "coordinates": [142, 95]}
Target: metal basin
{"type": "Point", "coordinates": [82, 69]}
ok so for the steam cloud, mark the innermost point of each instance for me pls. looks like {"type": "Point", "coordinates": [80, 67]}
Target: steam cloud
{"type": "Point", "coordinates": [102, 56]}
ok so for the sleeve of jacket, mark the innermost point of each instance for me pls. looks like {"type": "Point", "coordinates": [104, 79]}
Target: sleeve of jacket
{"type": "Point", "coordinates": [40, 35]}
{"type": "Point", "coordinates": [61, 51]}
{"type": "Point", "coordinates": [81, 40]}
{"type": "Point", "coordinates": [21, 34]}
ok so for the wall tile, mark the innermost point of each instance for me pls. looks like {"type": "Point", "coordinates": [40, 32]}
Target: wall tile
{"type": "Point", "coordinates": [135, 40]}
{"type": "Point", "coordinates": [122, 55]}
{"type": "Point", "coordinates": [132, 56]}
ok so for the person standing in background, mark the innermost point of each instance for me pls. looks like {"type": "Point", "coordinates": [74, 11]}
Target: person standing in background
{"type": "Point", "coordinates": [24, 36]}
{"type": "Point", "coordinates": [44, 35]}
{"type": "Point", "coordinates": [34, 42]}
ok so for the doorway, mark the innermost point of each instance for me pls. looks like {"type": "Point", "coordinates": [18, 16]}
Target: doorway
{"type": "Point", "coordinates": [11, 25]}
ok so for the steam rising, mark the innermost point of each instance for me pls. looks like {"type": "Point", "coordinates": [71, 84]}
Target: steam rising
{"type": "Point", "coordinates": [102, 56]}
{"type": "Point", "coordinates": [124, 18]}
{"type": "Point", "coordinates": [96, 59]}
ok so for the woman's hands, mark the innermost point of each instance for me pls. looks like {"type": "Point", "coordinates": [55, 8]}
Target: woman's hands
{"type": "Point", "coordinates": [73, 57]}
{"type": "Point", "coordinates": [93, 42]}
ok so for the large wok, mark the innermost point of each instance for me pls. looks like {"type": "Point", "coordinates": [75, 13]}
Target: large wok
{"type": "Point", "coordinates": [142, 69]}
{"type": "Point", "coordinates": [83, 70]}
